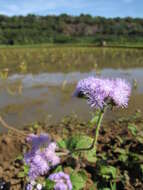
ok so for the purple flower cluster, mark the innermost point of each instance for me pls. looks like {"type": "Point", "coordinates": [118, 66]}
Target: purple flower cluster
{"type": "Point", "coordinates": [100, 92]}
{"type": "Point", "coordinates": [38, 141]}
{"type": "Point", "coordinates": [62, 181]}
{"type": "Point", "coordinates": [42, 155]}
{"type": "Point", "coordinates": [32, 185]}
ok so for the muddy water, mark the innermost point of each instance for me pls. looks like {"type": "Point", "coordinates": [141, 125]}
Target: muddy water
{"type": "Point", "coordinates": [45, 92]}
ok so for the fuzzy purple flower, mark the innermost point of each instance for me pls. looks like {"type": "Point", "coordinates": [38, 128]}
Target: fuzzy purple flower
{"type": "Point", "coordinates": [62, 181]}
{"type": "Point", "coordinates": [29, 187]}
{"type": "Point", "coordinates": [121, 92]}
{"type": "Point", "coordinates": [99, 91]}
{"type": "Point", "coordinates": [52, 158]}
{"type": "Point", "coordinates": [38, 141]}
{"type": "Point", "coordinates": [40, 159]}
{"type": "Point", "coordinates": [84, 86]}
{"type": "Point", "coordinates": [32, 185]}
{"type": "Point", "coordinates": [39, 186]}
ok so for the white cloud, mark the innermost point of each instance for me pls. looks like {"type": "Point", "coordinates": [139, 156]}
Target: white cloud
{"type": "Point", "coordinates": [24, 7]}
{"type": "Point", "coordinates": [109, 8]}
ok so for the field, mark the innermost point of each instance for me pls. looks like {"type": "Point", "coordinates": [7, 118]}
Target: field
{"type": "Point", "coordinates": [36, 96]}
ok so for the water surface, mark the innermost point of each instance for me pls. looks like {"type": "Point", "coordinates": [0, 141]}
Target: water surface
{"type": "Point", "coordinates": [43, 91]}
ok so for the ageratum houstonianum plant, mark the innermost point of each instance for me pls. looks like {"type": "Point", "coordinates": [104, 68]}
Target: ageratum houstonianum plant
{"type": "Point", "coordinates": [44, 158]}
{"type": "Point", "coordinates": [40, 159]}
{"type": "Point", "coordinates": [102, 94]}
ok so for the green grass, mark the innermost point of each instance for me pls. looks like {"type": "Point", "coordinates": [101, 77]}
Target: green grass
{"type": "Point", "coordinates": [50, 45]}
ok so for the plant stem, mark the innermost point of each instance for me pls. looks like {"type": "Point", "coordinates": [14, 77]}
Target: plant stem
{"type": "Point", "coordinates": [100, 118]}
{"type": "Point", "coordinates": [97, 128]}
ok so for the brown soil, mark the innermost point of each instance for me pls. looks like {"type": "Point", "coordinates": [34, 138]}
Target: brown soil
{"type": "Point", "coordinates": [11, 146]}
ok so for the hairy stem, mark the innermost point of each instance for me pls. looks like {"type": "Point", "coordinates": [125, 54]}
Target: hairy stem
{"type": "Point", "coordinates": [101, 115]}
{"type": "Point", "coordinates": [97, 128]}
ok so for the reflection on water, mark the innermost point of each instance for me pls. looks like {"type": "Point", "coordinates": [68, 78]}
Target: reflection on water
{"type": "Point", "coordinates": [30, 96]}
{"type": "Point", "coordinates": [57, 79]}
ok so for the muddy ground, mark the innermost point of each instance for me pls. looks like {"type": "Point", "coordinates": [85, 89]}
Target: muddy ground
{"type": "Point", "coordinates": [123, 134]}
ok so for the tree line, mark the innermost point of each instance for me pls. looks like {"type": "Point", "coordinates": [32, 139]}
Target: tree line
{"type": "Point", "coordinates": [32, 29]}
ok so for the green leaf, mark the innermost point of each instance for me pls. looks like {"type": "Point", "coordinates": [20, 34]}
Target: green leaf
{"type": "Point", "coordinates": [79, 141]}
{"type": "Point", "coordinates": [58, 169]}
{"type": "Point", "coordinates": [135, 157]}
{"type": "Point", "coordinates": [26, 169]}
{"type": "Point", "coordinates": [102, 155]}
{"type": "Point", "coordinates": [108, 172]}
{"type": "Point", "coordinates": [72, 142]}
{"type": "Point", "coordinates": [62, 144]}
{"type": "Point", "coordinates": [121, 151]}
{"type": "Point", "coordinates": [133, 128]}
{"type": "Point", "coordinates": [19, 157]}
{"type": "Point", "coordinates": [120, 139]}
{"type": "Point", "coordinates": [85, 142]}
{"type": "Point", "coordinates": [123, 154]}
{"type": "Point", "coordinates": [82, 142]}
{"type": "Point", "coordinates": [83, 174]}
{"type": "Point", "coordinates": [140, 139]}
{"type": "Point", "coordinates": [78, 182]}
{"type": "Point", "coordinates": [49, 184]}
{"type": "Point", "coordinates": [21, 174]}
{"type": "Point", "coordinates": [123, 157]}
{"type": "Point", "coordinates": [90, 156]}
{"type": "Point", "coordinates": [104, 188]}
{"type": "Point", "coordinates": [113, 185]}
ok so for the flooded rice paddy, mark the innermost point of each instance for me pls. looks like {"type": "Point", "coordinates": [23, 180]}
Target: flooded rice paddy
{"type": "Point", "coordinates": [37, 84]}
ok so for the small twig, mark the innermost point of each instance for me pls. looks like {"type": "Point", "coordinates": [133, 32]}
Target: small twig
{"type": "Point", "coordinates": [5, 125]}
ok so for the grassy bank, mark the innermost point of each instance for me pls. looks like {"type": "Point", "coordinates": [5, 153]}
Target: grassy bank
{"type": "Point", "coordinates": [134, 45]}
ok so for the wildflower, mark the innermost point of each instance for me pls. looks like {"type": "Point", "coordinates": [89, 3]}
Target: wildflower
{"type": "Point", "coordinates": [84, 86]}
{"type": "Point", "coordinates": [29, 186]}
{"type": "Point", "coordinates": [62, 181]}
{"type": "Point", "coordinates": [50, 155]}
{"type": "Point", "coordinates": [121, 93]}
{"type": "Point", "coordinates": [38, 141]}
{"type": "Point", "coordinates": [41, 159]}
{"type": "Point", "coordinates": [32, 185]}
{"type": "Point", "coordinates": [101, 92]}
{"type": "Point", "coordinates": [39, 186]}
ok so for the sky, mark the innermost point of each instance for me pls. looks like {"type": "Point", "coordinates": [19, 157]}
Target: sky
{"type": "Point", "coordinates": [107, 8]}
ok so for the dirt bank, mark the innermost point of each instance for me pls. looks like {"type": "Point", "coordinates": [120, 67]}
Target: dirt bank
{"type": "Point", "coordinates": [116, 137]}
